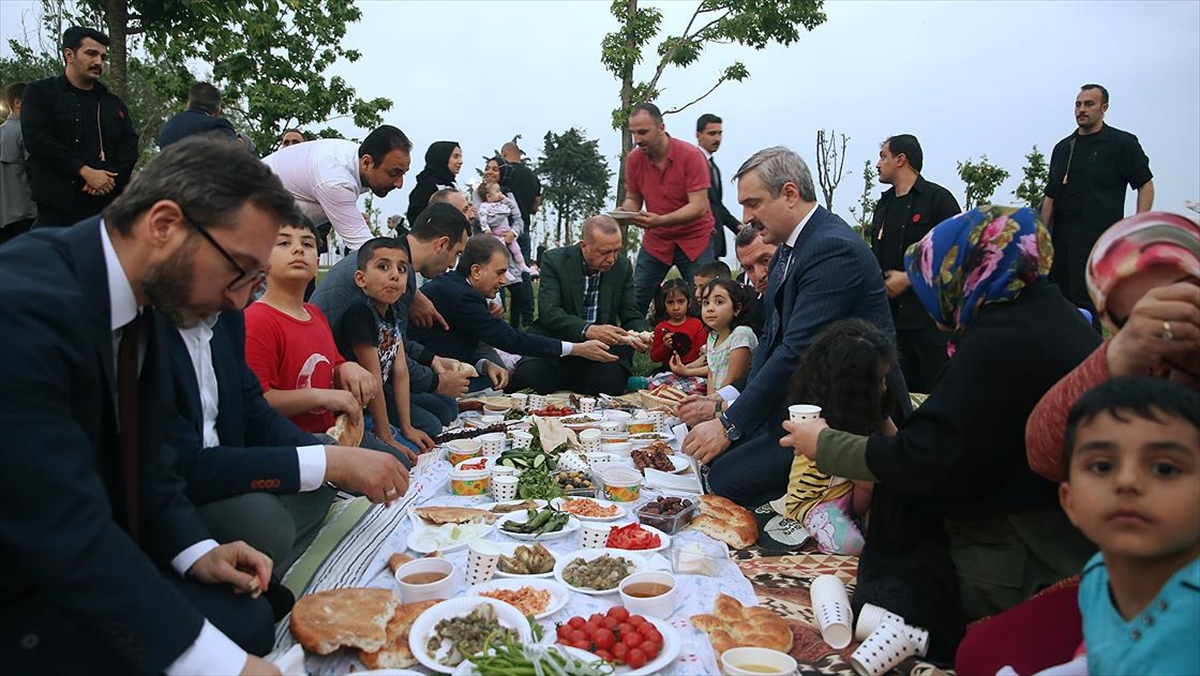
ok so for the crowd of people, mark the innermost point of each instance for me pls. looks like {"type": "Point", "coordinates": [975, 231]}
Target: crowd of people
{"type": "Point", "coordinates": [172, 367]}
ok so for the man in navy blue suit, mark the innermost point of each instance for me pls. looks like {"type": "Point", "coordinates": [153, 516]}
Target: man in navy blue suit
{"type": "Point", "coordinates": [203, 116]}
{"type": "Point", "coordinates": [821, 272]}
{"type": "Point", "coordinates": [107, 567]}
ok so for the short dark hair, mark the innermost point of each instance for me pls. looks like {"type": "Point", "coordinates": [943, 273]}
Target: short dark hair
{"type": "Point", "coordinates": [382, 141]}
{"type": "Point", "coordinates": [746, 234]}
{"type": "Point", "coordinates": [13, 93]}
{"type": "Point", "coordinates": [204, 96]}
{"type": "Point", "coordinates": [1103, 91]}
{"type": "Point", "coordinates": [839, 371]}
{"type": "Point", "coordinates": [706, 119]}
{"type": "Point", "coordinates": [649, 108]}
{"type": "Point", "coordinates": [440, 220]}
{"type": "Point", "coordinates": [737, 293]}
{"type": "Point", "coordinates": [302, 222]}
{"type": "Point", "coordinates": [288, 131]}
{"type": "Point", "coordinates": [683, 286]}
{"type": "Point", "coordinates": [209, 178]}
{"type": "Point", "coordinates": [367, 251]}
{"type": "Point", "coordinates": [75, 35]}
{"type": "Point", "coordinates": [479, 250]}
{"type": "Point", "coordinates": [909, 146]}
{"type": "Point", "coordinates": [1135, 396]}
{"type": "Point", "coordinates": [713, 269]}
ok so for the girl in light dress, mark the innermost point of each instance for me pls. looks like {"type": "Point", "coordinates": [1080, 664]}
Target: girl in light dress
{"type": "Point", "coordinates": [730, 345]}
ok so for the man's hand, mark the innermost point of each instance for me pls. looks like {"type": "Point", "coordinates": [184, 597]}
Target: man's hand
{"type": "Point", "coordinates": [97, 181]}
{"type": "Point", "coordinates": [706, 441]}
{"type": "Point", "coordinates": [236, 563]}
{"type": "Point", "coordinates": [442, 365]}
{"type": "Point", "coordinates": [257, 666]}
{"type": "Point", "coordinates": [453, 383]}
{"type": "Point", "coordinates": [341, 401]}
{"type": "Point", "coordinates": [497, 309]}
{"type": "Point", "coordinates": [497, 373]}
{"type": "Point", "coordinates": [647, 220]}
{"type": "Point", "coordinates": [641, 343]}
{"type": "Point", "coordinates": [419, 438]}
{"type": "Point", "coordinates": [896, 282]}
{"type": "Point", "coordinates": [607, 334]}
{"type": "Point", "coordinates": [424, 314]}
{"type": "Point", "coordinates": [593, 350]}
{"type": "Point", "coordinates": [1139, 346]}
{"type": "Point", "coordinates": [375, 474]}
{"type": "Point", "coordinates": [802, 437]}
{"type": "Point", "coordinates": [358, 382]}
{"type": "Point", "coordinates": [696, 408]}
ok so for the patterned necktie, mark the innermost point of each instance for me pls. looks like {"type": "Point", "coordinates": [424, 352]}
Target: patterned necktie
{"type": "Point", "coordinates": [127, 402]}
{"type": "Point", "coordinates": [774, 288]}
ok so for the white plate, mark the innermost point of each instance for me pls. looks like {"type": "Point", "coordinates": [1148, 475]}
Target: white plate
{"type": "Point", "coordinates": [596, 419]}
{"type": "Point", "coordinates": [559, 595]}
{"type": "Point", "coordinates": [664, 541]}
{"type": "Point", "coordinates": [487, 506]}
{"type": "Point", "coordinates": [468, 669]}
{"type": "Point", "coordinates": [621, 214]}
{"type": "Point", "coordinates": [509, 549]}
{"type": "Point", "coordinates": [418, 539]}
{"type": "Point", "coordinates": [638, 561]}
{"type": "Point", "coordinates": [557, 503]}
{"type": "Point", "coordinates": [670, 650]}
{"type": "Point", "coordinates": [639, 443]}
{"type": "Point", "coordinates": [462, 606]}
{"type": "Point", "coordinates": [522, 517]}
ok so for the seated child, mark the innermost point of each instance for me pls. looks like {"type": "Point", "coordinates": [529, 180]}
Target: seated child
{"type": "Point", "coordinates": [706, 273]}
{"type": "Point", "coordinates": [844, 371]}
{"type": "Point", "coordinates": [290, 347]}
{"type": "Point", "coordinates": [678, 331]}
{"type": "Point", "coordinates": [1132, 456]}
{"type": "Point", "coordinates": [370, 334]}
{"type": "Point", "coordinates": [495, 209]}
{"type": "Point", "coordinates": [729, 348]}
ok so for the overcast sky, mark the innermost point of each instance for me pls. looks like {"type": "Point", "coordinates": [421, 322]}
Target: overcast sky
{"type": "Point", "coordinates": [967, 78]}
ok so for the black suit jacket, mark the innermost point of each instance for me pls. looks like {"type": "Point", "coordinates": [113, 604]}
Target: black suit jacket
{"type": "Point", "coordinates": [719, 212]}
{"type": "Point", "coordinates": [191, 122]}
{"type": "Point", "coordinates": [68, 563]}
{"type": "Point", "coordinates": [258, 446]}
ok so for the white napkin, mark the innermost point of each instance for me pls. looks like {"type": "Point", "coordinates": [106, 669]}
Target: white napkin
{"type": "Point", "coordinates": [663, 482]}
{"type": "Point", "coordinates": [680, 431]}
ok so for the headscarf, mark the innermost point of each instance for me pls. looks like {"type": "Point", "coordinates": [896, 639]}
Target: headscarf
{"type": "Point", "coordinates": [1150, 239]}
{"type": "Point", "coordinates": [437, 163]}
{"type": "Point", "coordinates": [988, 255]}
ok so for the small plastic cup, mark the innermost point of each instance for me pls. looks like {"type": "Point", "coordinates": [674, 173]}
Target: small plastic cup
{"type": "Point", "coordinates": [482, 557]}
{"type": "Point", "coordinates": [502, 470]}
{"type": "Point", "coordinates": [589, 440]}
{"type": "Point", "coordinates": [594, 535]}
{"type": "Point", "coordinates": [492, 443]}
{"type": "Point", "coordinates": [521, 439]}
{"type": "Point", "coordinates": [831, 606]}
{"type": "Point", "coordinates": [659, 418]}
{"type": "Point", "coordinates": [760, 660]}
{"type": "Point", "coordinates": [537, 402]}
{"type": "Point", "coordinates": [587, 404]}
{"type": "Point", "coordinates": [870, 617]}
{"type": "Point", "coordinates": [504, 488]}
{"type": "Point", "coordinates": [803, 413]}
{"type": "Point", "coordinates": [883, 650]}
{"type": "Point", "coordinates": [520, 400]}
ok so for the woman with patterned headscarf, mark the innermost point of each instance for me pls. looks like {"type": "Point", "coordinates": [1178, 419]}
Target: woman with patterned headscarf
{"type": "Point", "coordinates": [1144, 278]}
{"type": "Point", "coordinates": [959, 527]}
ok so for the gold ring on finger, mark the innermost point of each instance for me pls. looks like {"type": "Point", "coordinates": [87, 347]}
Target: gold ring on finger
{"type": "Point", "coordinates": [1166, 332]}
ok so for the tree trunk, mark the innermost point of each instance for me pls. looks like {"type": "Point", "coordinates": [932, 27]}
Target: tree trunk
{"type": "Point", "coordinates": [116, 19]}
{"type": "Point", "coordinates": [626, 104]}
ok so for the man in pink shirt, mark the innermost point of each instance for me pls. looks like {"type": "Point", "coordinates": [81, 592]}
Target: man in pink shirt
{"type": "Point", "coordinates": [671, 179]}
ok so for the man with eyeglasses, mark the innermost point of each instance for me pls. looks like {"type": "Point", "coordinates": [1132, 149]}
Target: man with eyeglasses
{"type": "Point", "coordinates": [586, 294]}
{"type": "Point", "coordinates": [109, 567]}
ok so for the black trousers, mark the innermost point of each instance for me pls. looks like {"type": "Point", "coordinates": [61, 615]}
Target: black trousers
{"type": "Point", "coordinates": [549, 374]}
{"type": "Point", "coordinates": [15, 228]}
{"type": "Point", "coordinates": [1073, 244]}
{"type": "Point", "coordinates": [755, 470]}
{"type": "Point", "coordinates": [922, 354]}
{"type": "Point", "coordinates": [516, 302]}
{"type": "Point", "coordinates": [51, 216]}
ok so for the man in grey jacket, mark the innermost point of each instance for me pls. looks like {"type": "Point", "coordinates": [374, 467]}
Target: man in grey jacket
{"type": "Point", "coordinates": [17, 209]}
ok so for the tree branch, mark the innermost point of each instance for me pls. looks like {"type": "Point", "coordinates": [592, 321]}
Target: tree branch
{"type": "Point", "coordinates": [666, 59]}
{"type": "Point", "coordinates": [680, 109]}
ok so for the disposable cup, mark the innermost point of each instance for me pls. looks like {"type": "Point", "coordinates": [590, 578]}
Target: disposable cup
{"type": "Point", "coordinates": [537, 402]}
{"type": "Point", "coordinates": [804, 413]}
{"type": "Point", "coordinates": [883, 650]}
{"type": "Point", "coordinates": [870, 617]}
{"type": "Point", "coordinates": [831, 606]}
{"type": "Point", "coordinates": [660, 420]}
{"type": "Point", "coordinates": [502, 470]}
{"type": "Point", "coordinates": [481, 561]}
{"type": "Point", "coordinates": [521, 400]}
{"type": "Point", "coordinates": [504, 487]}
{"type": "Point", "coordinates": [492, 443]}
{"type": "Point", "coordinates": [589, 440]}
{"type": "Point", "coordinates": [587, 404]}
{"type": "Point", "coordinates": [521, 439]}
{"type": "Point", "coordinates": [593, 535]}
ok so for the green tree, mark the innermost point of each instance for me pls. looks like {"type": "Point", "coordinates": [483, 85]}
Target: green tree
{"type": "Point", "coordinates": [831, 161]}
{"type": "Point", "coordinates": [982, 179]}
{"type": "Point", "coordinates": [1037, 174]}
{"type": "Point", "coordinates": [575, 180]}
{"type": "Point", "coordinates": [750, 23]}
{"type": "Point", "coordinates": [866, 203]}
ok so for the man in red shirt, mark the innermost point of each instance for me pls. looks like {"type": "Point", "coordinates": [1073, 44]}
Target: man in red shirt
{"type": "Point", "coordinates": [670, 177]}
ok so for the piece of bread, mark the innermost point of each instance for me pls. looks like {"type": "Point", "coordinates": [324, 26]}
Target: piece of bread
{"type": "Point", "coordinates": [355, 617]}
{"type": "Point", "coordinates": [346, 432]}
{"type": "Point", "coordinates": [396, 560]}
{"type": "Point", "coordinates": [468, 369]}
{"type": "Point", "coordinates": [724, 520]}
{"type": "Point", "coordinates": [732, 625]}
{"type": "Point", "coordinates": [441, 515]}
{"type": "Point", "coordinates": [396, 654]}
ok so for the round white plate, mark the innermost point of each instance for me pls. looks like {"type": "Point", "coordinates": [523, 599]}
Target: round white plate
{"type": "Point", "coordinates": [670, 650]}
{"type": "Point", "coordinates": [664, 541]}
{"type": "Point", "coordinates": [522, 517]}
{"type": "Point", "coordinates": [595, 419]}
{"type": "Point", "coordinates": [557, 503]}
{"type": "Point", "coordinates": [418, 538]}
{"type": "Point", "coordinates": [487, 506]}
{"type": "Point", "coordinates": [681, 463]}
{"type": "Point", "coordinates": [461, 606]}
{"type": "Point", "coordinates": [639, 443]}
{"type": "Point", "coordinates": [638, 561]}
{"type": "Point", "coordinates": [509, 549]}
{"type": "Point", "coordinates": [621, 214]}
{"type": "Point", "coordinates": [468, 669]}
{"type": "Point", "coordinates": [559, 595]}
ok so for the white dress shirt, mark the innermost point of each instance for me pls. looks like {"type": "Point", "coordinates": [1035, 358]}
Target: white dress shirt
{"type": "Point", "coordinates": [323, 178]}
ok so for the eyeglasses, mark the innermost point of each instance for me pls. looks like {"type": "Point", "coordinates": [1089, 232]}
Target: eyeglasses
{"type": "Point", "coordinates": [252, 278]}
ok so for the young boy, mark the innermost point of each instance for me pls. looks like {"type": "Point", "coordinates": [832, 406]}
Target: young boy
{"type": "Point", "coordinates": [371, 335]}
{"type": "Point", "coordinates": [1132, 453]}
{"type": "Point", "coordinates": [705, 274]}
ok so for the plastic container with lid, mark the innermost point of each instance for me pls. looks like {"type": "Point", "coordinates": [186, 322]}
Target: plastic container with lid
{"type": "Point", "coordinates": [670, 523]}
{"type": "Point", "coordinates": [698, 557]}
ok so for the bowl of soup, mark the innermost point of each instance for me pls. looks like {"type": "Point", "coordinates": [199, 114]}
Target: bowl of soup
{"type": "Point", "coordinates": [425, 579]}
{"type": "Point", "coordinates": [650, 593]}
{"type": "Point", "coordinates": [752, 661]}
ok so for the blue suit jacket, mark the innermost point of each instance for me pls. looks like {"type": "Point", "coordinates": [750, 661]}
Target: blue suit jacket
{"type": "Point", "coordinates": [69, 565]}
{"type": "Point", "coordinates": [191, 122]}
{"type": "Point", "coordinates": [833, 275]}
{"type": "Point", "coordinates": [258, 446]}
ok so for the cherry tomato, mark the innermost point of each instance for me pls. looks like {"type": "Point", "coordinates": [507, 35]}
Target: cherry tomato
{"type": "Point", "coordinates": [596, 617]}
{"type": "Point", "coordinates": [619, 651]}
{"type": "Point", "coordinates": [632, 639]}
{"type": "Point", "coordinates": [610, 622]}
{"type": "Point", "coordinates": [604, 639]}
{"type": "Point", "coordinates": [582, 645]}
{"type": "Point", "coordinates": [577, 622]}
{"type": "Point", "coordinates": [636, 620]}
{"type": "Point", "coordinates": [650, 633]}
{"type": "Point", "coordinates": [564, 631]}
{"type": "Point", "coordinates": [604, 655]}
{"type": "Point", "coordinates": [635, 658]}
{"type": "Point", "coordinates": [618, 612]}
{"type": "Point", "coordinates": [578, 635]}
{"type": "Point", "coordinates": [650, 648]}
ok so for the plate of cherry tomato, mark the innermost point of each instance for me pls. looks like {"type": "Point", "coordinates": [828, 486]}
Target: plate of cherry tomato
{"type": "Point", "coordinates": [552, 411]}
{"type": "Point", "coordinates": [634, 644]}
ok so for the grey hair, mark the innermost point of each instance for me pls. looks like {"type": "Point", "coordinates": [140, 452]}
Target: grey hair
{"type": "Point", "coordinates": [778, 165]}
{"type": "Point", "coordinates": [745, 236]}
{"type": "Point", "coordinates": [601, 224]}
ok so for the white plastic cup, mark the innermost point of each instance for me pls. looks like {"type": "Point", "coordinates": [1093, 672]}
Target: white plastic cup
{"type": "Point", "coordinates": [482, 557]}
{"type": "Point", "coordinates": [502, 470]}
{"type": "Point", "coordinates": [870, 617]}
{"type": "Point", "coordinates": [504, 487]}
{"type": "Point", "coordinates": [521, 400]}
{"type": "Point", "coordinates": [775, 662]}
{"type": "Point", "coordinates": [831, 606]}
{"type": "Point", "coordinates": [492, 443]}
{"type": "Point", "coordinates": [660, 420]}
{"type": "Point", "coordinates": [804, 413]}
{"type": "Point", "coordinates": [919, 637]}
{"type": "Point", "coordinates": [537, 402]}
{"type": "Point", "coordinates": [587, 404]}
{"type": "Point", "coordinates": [521, 439]}
{"type": "Point", "coordinates": [593, 535]}
{"type": "Point", "coordinates": [883, 650]}
{"type": "Point", "coordinates": [589, 440]}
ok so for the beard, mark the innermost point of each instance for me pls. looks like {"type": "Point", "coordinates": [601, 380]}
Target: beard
{"type": "Point", "coordinates": [168, 285]}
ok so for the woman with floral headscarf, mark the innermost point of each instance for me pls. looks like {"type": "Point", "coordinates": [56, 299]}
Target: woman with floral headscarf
{"type": "Point", "coordinates": [1144, 278]}
{"type": "Point", "coordinates": [954, 497]}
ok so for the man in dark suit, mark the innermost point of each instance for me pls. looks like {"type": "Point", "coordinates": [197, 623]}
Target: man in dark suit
{"type": "Point", "coordinates": [253, 475]}
{"type": "Point", "coordinates": [821, 272]}
{"type": "Point", "coordinates": [586, 294]}
{"type": "Point", "coordinates": [203, 116]}
{"type": "Point", "coordinates": [107, 566]}
{"type": "Point", "coordinates": [708, 137]}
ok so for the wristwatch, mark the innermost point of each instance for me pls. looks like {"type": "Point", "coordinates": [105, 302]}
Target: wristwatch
{"type": "Point", "coordinates": [731, 430]}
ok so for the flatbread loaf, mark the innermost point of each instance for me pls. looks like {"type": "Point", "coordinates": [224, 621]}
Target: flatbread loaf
{"type": "Point", "coordinates": [732, 625]}
{"type": "Point", "coordinates": [724, 520]}
{"type": "Point", "coordinates": [354, 617]}
{"type": "Point", "coordinates": [346, 432]}
{"type": "Point", "coordinates": [396, 654]}
{"type": "Point", "coordinates": [441, 515]}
